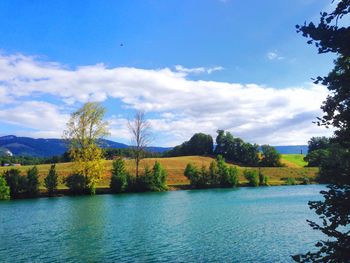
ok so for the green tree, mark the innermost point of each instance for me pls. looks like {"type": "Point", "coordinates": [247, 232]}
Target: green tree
{"type": "Point", "coordinates": [270, 157]}
{"type": "Point", "coordinates": [32, 182]}
{"type": "Point", "coordinates": [263, 179]}
{"type": "Point", "coordinates": [77, 184]}
{"type": "Point", "coordinates": [119, 179]}
{"type": "Point", "coordinates": [16, 182]}
{"type": "Point", "coordinates": [252, 177]}
{"type": "Point", "coordinates": [51, 180]}
{"type": "Point", "coordinates": [4, 189]}
{"type": "Point", "coordinates": [85, 127]}
{"type": "Point", "coordinates": [192, 173]}
{"type": "Point", "coordinates": [159, 177]}
{"type": "Point", "coordinates": [316, 157]}
{"type": "Point", "coordinates": [199, 144]}
{"type": "Point", "coordinates": [332, 34]}
{"type": "Point", "coordinates": [214, 174]}
{"type": "Point", "coordinates": [318, 143]}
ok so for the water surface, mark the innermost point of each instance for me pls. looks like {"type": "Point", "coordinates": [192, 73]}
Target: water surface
{"type": "Point", "coordinates": [265, 224]}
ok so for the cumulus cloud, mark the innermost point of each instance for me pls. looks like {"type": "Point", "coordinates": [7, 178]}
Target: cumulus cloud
{"type": "Point", "coordinates": [179, 106]}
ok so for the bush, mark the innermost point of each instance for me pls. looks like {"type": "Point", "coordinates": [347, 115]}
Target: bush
{"type": "Point", "coordinates": [77, 184]}
{"type": "Point", "coordinates": [219, 174]}
{"type": "Point", "coordinates": [4, 189]}
{"type": "Point", "coordinates": [263, 179]}
{"type": "Point", "coordinates": [305, 180]}
{"type": "Point", "coordinates": [291, 181]}
{"type": "Point", "coordinates": [230, 177]}
{"type": "Point", "coordinates": [119, 179]}
{"type": "Point", "coordinates": [32, 188]}
{"type": "Point", "coordinates": [16, 182]}
{"type": "Point", "coordinates": [252, 177]}
{"type": "Point", "coordinates": [159, 178]}
{"type": "Point", "coordinates": [192, 174]}
{"type": "Point", "coordinates": [51, 181]}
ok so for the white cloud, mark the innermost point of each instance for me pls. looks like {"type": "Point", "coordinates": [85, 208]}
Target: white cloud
{"type": "Point", "coordinates": [44, 118]}
{"type": "Point", "coordinates": [198, 70]}
{"type": "Point", "coordinates": [181, 106]}
{"type": "Point", "coordinates": [273, 55]}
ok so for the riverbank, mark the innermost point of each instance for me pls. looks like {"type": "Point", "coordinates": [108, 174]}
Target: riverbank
{"type": "Point", "coordinates": [175, 167]}
{"type": "Point", "coordinates": [61, 192]}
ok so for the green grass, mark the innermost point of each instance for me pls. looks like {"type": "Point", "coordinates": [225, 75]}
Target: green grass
{"type": "Point", "coordinates": [294, 160]}
{"type": "Point", "coordinates": [175, 167]}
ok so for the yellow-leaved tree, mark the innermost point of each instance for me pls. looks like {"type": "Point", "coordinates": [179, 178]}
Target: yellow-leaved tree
{"type": "Point", "coordinates": [84, 130]}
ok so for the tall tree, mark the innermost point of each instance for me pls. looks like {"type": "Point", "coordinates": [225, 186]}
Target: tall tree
{"type": "Point", "coordinates": [332, 34]}
{"type": "Point", "coordinates": [84, 129]}
{"type": "Point", "coordinates": [139, 128]}
{"type": "Point", "coordinates": [51, 180]}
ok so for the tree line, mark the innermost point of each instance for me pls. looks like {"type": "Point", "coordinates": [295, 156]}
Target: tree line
{"type": "Point", "coordinates": [232, 149]}
{"type": "Point", "coordinates": [13, 185]}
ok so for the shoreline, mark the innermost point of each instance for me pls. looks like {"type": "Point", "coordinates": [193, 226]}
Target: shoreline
{"type": "Point", "coordinates": [107, 190]}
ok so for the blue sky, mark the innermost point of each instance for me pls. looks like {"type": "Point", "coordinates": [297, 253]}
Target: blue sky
{"type": "Point", "coordinates": [193, 66]}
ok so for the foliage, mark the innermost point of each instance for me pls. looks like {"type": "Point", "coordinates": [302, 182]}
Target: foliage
{"type": "Point", "coordinates": [305, 180]}
{"type": "Point", "coordinates": [32, 187]}
{"type": "Point", "coordinates": [119, 179]}
{"type": "Point", "coordinates": [228, 176]}
{"type": "Point", "coordinates": [263, 179]}
{"type": "Point", "coordinates": [316, 157]}
{"type": "Point", "coordinates": [51, 180]}
{"type": "Point", "coordinates": [77, 184]}
{"type": "Point", "coordinates": [252, 177]}
{"type": "Point", "coordinates": [270, 157]}
{"type": "Point", "coordinates": [218, 175]}
{"type": "Point", "coordinates": [159, 178]}
{"type": "Point", "coordinates": [84, 129]}
{"type": "Point", "coordinates": [199, 144]}
{"type": "Point", "coordinates": [153, 180]}
{"type": "Point", "coordinates": [236, 150]}
{"type": "Point", "coordinates": [4, 189]}
{"type": "Point", "coordinates": [290, 181]}
{"type": "Point", "coordinates": [330, 36]}
{"type": "Point", "coordinates": [16, 182]}
{"type": "Point", "coordinates": [318, 143]}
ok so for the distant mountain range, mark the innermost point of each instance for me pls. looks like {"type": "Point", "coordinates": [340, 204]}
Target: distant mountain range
{"type": "Point", "coordinates": [25, 146]}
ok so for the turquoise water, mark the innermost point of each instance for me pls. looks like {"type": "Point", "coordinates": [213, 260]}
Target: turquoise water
{"type": "Point", "coordinates": [265, 224]}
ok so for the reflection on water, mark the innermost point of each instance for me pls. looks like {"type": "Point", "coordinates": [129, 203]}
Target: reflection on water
{"type": "Point", "coordinates": [248, 224]}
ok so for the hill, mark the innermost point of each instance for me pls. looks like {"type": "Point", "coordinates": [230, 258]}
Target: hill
{"type": "Point", "coordinates": [175, 167]}
{"type": "Point", "coordinates": [25, 146]}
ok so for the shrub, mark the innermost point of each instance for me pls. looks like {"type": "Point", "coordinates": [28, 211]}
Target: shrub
{"type": "Point", "coordinates": [252, 177]}
{"type": "Point", "coordinates": [4, 189]}
{"type": "Point", "coordinates": [32, 188]}
{"type": "Point", "coordinates": [291, 181]}
{"type": "Point", "coordinates": [159, 178]}
{"type": "Point", "coordinates": [16, 182]}
{"type": "Point", "coordinates": [51, 180]}
{"type": "Point", "coordinates": [231, 177]}
{"type": "Point", "coordinates": [192, 174]}
{"type": "Point", "coordinates": [305, 180]}
{"type": "Point", "coordinates": [77, 184]}
{"type": "Point", "coordinates": [263, 179]}
{"type": "Point", "coordinates": [213, 174]}
{"type": "Point", "coordinates": [119, 179]}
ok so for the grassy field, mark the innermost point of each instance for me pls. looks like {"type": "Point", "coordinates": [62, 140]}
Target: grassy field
{"type": "Point", "coordinates": [294, 160]}
{"type": "Point", "coordinates": [175, 167]}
